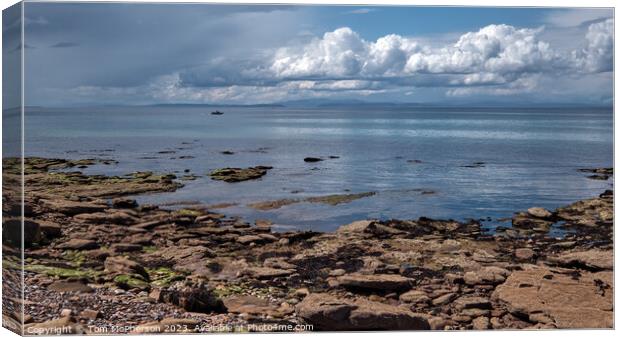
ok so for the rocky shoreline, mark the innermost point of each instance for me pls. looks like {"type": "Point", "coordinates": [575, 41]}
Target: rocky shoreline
{"type": "Point", "coordinates": [99, 263]}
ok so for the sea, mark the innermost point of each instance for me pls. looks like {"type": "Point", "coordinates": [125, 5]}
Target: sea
{"type": "Point", "coordinates": [438, 162]}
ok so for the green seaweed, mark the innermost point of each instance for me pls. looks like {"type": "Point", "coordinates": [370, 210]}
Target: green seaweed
{"type": "Point", "coordinates": [131, 281]}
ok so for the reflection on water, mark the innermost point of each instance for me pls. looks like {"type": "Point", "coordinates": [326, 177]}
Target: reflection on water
{"type": "Point", "coordinates": [529, 157]}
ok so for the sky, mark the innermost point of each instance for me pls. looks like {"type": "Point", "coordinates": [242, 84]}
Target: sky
{"type": "Point", "coordinates": [121, 53]}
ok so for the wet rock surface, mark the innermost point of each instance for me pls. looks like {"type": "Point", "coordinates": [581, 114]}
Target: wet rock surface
{"type": "Point", "coordinates": [235, 174]}
{"type": "Point", "coordinates": [98, 259]}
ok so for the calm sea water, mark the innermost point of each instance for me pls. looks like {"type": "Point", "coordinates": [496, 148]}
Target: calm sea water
{"type": "Point", "coordinates": [530, 156]}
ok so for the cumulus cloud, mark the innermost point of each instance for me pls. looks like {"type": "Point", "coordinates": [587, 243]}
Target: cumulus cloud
{"type": "Point", "coordinates": [496, 60]}
{"type": "Point", "coordinates": [597, 56]}
{"type": "Point", "coordinates": [499, 55]}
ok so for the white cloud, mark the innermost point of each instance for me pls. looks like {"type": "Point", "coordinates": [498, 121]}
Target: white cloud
{"type": "Point", "coordinates": [497, 55]}
{"type": "Point", "coordinates": [597, 56]}
{"type": "Point", "coordinates": [497, 60]}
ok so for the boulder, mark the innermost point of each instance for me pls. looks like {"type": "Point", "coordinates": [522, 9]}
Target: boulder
{"type": "Point", "coordinates": [567, 301]}
{"type": "Point", "coordinates": [326, 312]}
{"type": "Point", "coordinates": [12, 231]}
{"type": "Point", "coordinates": [50, 229]}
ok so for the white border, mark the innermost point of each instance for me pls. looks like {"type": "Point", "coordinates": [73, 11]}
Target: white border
{"type": "Point", "coordinates": [481, 3]}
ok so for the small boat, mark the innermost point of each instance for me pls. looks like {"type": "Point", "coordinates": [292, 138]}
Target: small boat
{"type": "Point", "coordinates": [217, 112]}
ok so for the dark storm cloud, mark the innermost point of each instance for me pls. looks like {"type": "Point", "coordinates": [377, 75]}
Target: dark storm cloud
{"type": "Point", "coordinates": [125, 45]}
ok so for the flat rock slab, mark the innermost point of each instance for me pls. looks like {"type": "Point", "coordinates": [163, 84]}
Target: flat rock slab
{"type": "Point", "coordinates": [383, 282]}
{"type": "Point", "coordinates": [326, 312]}
{"type": "Point", "coordinates": [69, 207]}
{"type": "Point", "coordinates": [486, 275]}
{"type": "Point", "coordinates": [557, 296]}
{"type": "Point", "coordinates": [248, 304]}
{"type": "Point", "coordinates": [235, 174]}
{"type": "Point", "coordinates": [262, 273]}
{"type": "Point", "coordinates": [594, 259]}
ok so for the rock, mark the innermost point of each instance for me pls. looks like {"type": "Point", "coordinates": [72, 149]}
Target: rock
{"type": "Point", "coordinates": [524, 254]}
{"type": "Point", "coordinates": [97, 254]}
{"type": "Point", "coordinates": [381, 282]}
{"type": "Point", "coordinates": [480, 323]}
{"type": "Point", "coordinates": [326, 312]}
{"type": "Point", "coordinates": [109, 217]}
{"type": "Point", "coordinates": [90, 314]}
{"type": "Point", "coordinates": [50, 229]}
{"type": "Point", "coordinates": [68, 207]}
{"type": "Point", "coordinates": [262, 273]}
{"type": "Point", "coordinates": [337, 272]}
{"type": "Point", "coordinates": [66, 313]}
{"type": "Point", "coordinates": [370, 227]}
{"type": "Point", "coordinates": [194, 297]}
{"type": "Point", "coordinates": [263, 225]}
{"type": "Point", "coordinates": [248, 304]}
{"type": "Point", "coordinates": [539, 212]}
{"type": "Point", "coordinates": [70, 286]}
{"type": "Point", "coordinates": [414, 297]}
{"type": "Point", "coordinates": [590, 259]}
{"type": "Point", "coordinates": [12, 231]}
{"type": "Point", "coordinates": [247, 239]}
{"type": "Point", "coordinates": [118, 265]}
{"type": "Point", "coordinates": [234, 174]}
{"type": "Point", "coordinates": [125, 247]}
{"type": "Point", "coordinates": [355, 227]}
{"type": "Point", "coordinates": [582, 302]}
{"type": "Point", "coordinates": [474, 302]}
{"type": "Point", "coordinates": [437, 323]}
{"type": "Point", "coordinates": [444, 299]}
{"type": "Point", "coordinates": [278, 262]}
{"type": "Point", "coordinates": [486, 275]}
{"type": "Point", "coordinates": [78, 244]}
{"type": "Point", "coordinates": [124, 203]}
{"type": "Point", "coordinates": [302, 292]}
{"type": "Point", "coordinates": [185, 256]}
{"type": "Point", "coordinates": [312, 159]}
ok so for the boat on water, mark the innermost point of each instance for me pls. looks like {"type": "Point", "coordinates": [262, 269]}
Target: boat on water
{"type": "Point", "coordinates": [217, 112]}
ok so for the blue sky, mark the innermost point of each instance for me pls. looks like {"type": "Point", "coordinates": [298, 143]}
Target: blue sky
{"type": "Point", "coordinates": [93, 54]}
